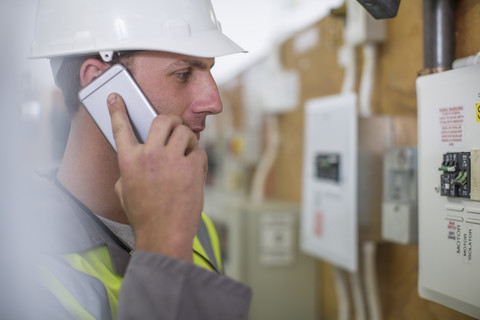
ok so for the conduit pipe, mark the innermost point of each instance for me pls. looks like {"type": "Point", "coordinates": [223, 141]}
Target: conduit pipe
{"type": "Point", "coordinates": [367, 78]}
{"type": "Point", "coordinates": [438, 35]}
{"type": "Point", "coordinates": [371, 285]}
{"type": "Point", "coordinates": [267, 160]}
{"type": "Point", "coordinates": [358, 296]}
{"type": "Point", "coordinates": [341, 289]}
{"type": "Point", "coordinates": [347, 60]}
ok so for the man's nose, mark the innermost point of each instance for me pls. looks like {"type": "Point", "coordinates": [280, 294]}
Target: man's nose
{"type": "Point", "coordinates": [207, 97]}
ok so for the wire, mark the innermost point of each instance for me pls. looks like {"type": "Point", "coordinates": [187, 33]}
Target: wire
{"type": "Point", "coordinates": [465, 177]}
{"type": "Point", "coordinates": [367, 78]}
{"type": "Point", "coordinates": [461, 178]}
{"type": "Point", "coordinates": [358, 296]}
{"type": "Point", "coordinates": [447, 168]}
{"type": "Point", "coordinates": [371, 285]}
{"type": "Point", "coordinates": [342, 294]}
{"type": "Point", "coordinates": [347, 59]}
{"type": "Point", "coordinates": [267, 160]}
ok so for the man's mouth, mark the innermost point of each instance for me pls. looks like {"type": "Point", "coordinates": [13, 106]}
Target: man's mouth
{"type": "Point", "coordinates": [197, 132]}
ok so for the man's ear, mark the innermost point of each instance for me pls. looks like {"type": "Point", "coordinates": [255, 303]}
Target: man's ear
{"type": "Point", "coordinates": [90, 69]}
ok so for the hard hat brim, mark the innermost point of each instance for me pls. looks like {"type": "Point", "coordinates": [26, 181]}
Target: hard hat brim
{"type": "Point", "coordinates": [208, 44]}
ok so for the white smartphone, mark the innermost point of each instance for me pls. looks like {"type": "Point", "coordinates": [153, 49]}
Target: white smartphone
{"type": "Point", "coordinates": [118, 79]}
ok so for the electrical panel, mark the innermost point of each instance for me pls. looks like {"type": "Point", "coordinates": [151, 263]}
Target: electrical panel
{"type": "Point", "coordinates": [449, 185]}
{"type": "Point", "coordinates": [329, 207]}
{"type": "Point", "coordinates": [259, 246]}
{"type": "Point", "coordinates": [342, 170]}
{"type": "Point", "coordinates": [400, 205]}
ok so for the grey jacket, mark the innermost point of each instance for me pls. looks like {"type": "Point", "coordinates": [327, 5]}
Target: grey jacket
{"type": "Point", "coordinates": [154, 286]}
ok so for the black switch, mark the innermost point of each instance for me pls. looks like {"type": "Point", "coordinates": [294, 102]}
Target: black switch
{"type": "Point", "coordinates": [381, 9]}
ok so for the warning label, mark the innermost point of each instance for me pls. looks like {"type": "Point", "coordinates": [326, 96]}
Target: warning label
{"type": "Point", "coordinates": [477, 107]}
{"type": "Point", "coordinates": [451, 126]}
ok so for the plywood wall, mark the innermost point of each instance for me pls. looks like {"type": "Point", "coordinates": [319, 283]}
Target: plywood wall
{"type": "Point", "coordinates": [400, 58]}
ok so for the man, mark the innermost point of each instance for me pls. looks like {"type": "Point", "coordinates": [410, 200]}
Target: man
{"type": "Point", "coordinates": [130, 240]}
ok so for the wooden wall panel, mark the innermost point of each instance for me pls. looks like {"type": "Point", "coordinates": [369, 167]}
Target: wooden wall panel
{"type": "Point", "coordinates": [467, 36]}
{"type": "Point", "coordinates": [400, 59]}
{"type": "Point", "coordinates": [320, 76]}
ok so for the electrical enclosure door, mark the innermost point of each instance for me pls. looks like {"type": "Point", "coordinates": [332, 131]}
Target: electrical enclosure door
{"type": "Point", "coordinates": [449, 184]}
{"type": "Point", "coordinates": [329, 228]}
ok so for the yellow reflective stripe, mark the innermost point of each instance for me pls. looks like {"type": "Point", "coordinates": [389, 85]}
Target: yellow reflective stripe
{"type": "Point", "coordinates": [198, 261]}
{"type": "Point", "coordinates": [212, 231]}
{"type": "Point", "coordinates": [63, 295]}
{"type": "Point", "coordinates": [97, 263]}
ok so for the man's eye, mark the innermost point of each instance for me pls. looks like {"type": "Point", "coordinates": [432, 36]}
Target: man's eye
{"type": "Point", "coordinates": [184, 76]}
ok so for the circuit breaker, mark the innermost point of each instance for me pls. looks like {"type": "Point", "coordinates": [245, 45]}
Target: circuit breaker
{"type": "Point", "coordinates": [449, 184]}
{"type": "Point", "coordinates": [327, 166]}
{"type": "Point", "coordinates": [455, 175]}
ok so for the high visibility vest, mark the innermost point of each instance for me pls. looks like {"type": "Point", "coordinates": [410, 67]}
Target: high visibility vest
{"type": "Point", "coordinates": [94, 272]}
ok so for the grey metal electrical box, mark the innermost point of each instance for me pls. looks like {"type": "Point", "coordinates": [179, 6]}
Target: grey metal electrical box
{"type": "Point", "coordinates": [399, 206]}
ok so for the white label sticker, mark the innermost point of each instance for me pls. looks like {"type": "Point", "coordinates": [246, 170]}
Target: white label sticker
{"type": "Point", "coordinates": [452, 126]}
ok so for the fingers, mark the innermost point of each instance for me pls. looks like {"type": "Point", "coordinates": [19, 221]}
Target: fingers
{"type": "Point", "coordinates": [183, 140]}
{"type": "Point", "coordinates": [161, 129]}
{"type": "Point", "coordinates": [122, 130]}
{"type": "Point", "coordinates": [166, 130]}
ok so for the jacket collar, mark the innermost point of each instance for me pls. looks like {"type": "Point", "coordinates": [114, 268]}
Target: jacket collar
{"type": "Point", "coordinates": [65, 227]}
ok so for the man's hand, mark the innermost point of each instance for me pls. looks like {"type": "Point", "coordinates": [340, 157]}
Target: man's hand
{"type": "Point", "coordinates": [161, 185]}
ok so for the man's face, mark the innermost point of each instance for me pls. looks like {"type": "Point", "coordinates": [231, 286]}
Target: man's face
{"type": "Point", "coordinates": [178, 84]}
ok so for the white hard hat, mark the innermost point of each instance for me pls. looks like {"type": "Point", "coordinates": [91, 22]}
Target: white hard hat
{"type": "Point", "coordinates": [78, 27]}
